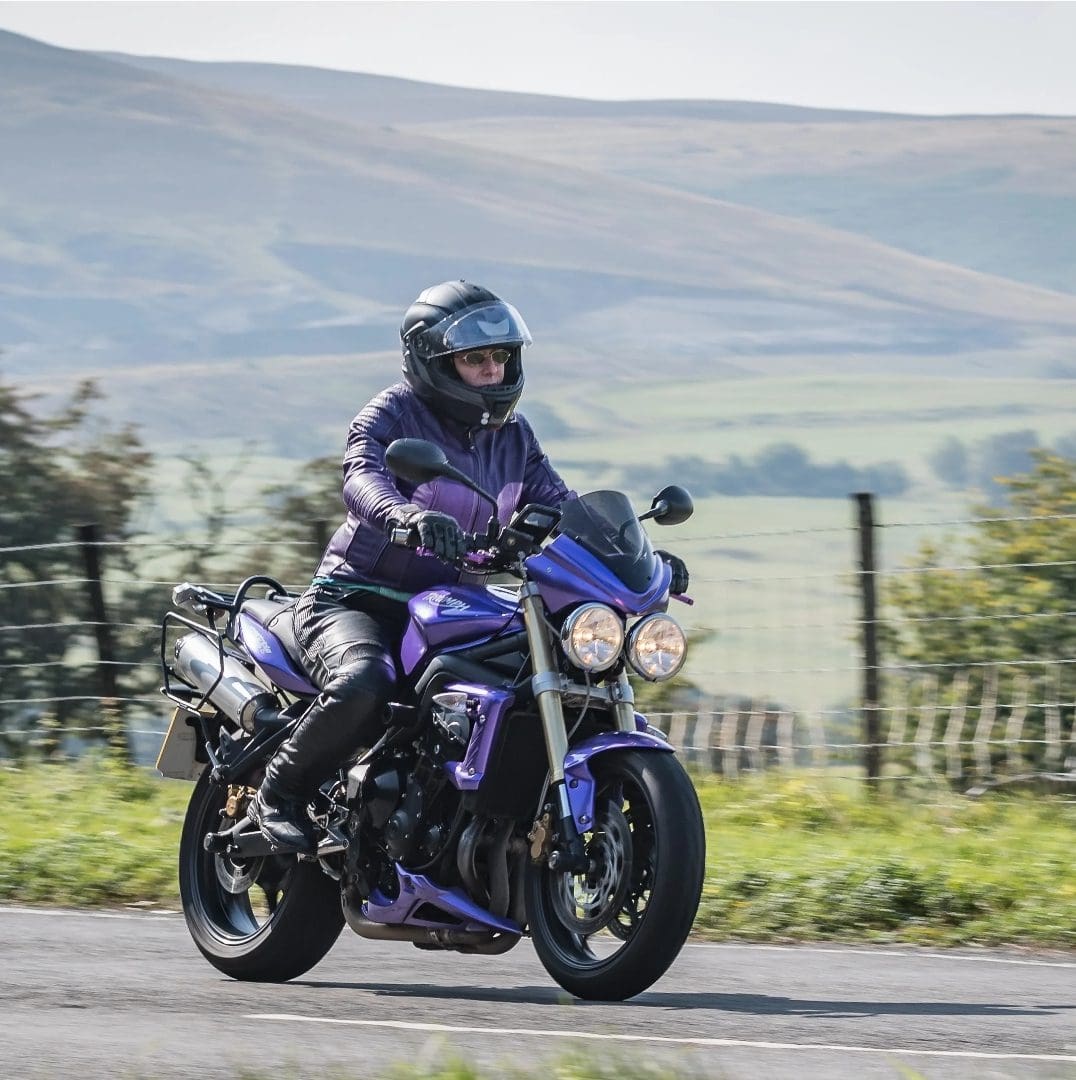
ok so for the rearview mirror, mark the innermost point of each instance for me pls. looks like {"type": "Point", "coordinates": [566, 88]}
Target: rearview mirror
{"type": "Point", "coordinates": [671, 506]}
{"type": "Point", "coordinates": [418, 461]}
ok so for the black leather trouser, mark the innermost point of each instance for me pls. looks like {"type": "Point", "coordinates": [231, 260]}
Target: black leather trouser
{"type": "Point", "coordinates": [349, 642]}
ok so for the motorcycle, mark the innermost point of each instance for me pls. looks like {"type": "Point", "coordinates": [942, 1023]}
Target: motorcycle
{"type": "Point", "coordinates": [515, 792]}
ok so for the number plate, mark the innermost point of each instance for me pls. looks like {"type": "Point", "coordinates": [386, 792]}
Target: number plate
{"type": "Point", "coordinates": [176, 759]}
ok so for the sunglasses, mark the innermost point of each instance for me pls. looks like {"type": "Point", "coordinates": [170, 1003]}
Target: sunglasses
{"type": "Point", "coordinates": [478, 357]}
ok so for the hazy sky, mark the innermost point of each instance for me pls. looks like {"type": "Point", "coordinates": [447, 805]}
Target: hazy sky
{"type": "Point", "coordinates": [926, 57]}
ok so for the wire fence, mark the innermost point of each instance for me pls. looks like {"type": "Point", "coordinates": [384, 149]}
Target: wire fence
{"type": "Point", "coordinates": [790, 667]}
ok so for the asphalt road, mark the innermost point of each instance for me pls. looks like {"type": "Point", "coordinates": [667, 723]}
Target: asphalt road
{"type": "Point", "coordinates": [125, 995]}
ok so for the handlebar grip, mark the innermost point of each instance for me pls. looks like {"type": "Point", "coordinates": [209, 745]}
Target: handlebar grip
{"type": "Point", "coordinates": [403, 536]}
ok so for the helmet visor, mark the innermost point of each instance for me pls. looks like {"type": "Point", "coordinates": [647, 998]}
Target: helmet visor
{"type": "Point", "coordinates": [479, 327]}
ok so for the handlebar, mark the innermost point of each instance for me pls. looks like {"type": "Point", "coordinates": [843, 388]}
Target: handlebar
{"type": "Point", "coordinates": [522, 536]}
{"type": "Point", "coordinates": [480, 553]}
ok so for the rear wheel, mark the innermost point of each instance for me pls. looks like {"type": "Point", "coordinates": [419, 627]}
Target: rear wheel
{"type": "Point", "coordinates": [265, 919]}
{"type": "Point", "coordinates": [610, 933]}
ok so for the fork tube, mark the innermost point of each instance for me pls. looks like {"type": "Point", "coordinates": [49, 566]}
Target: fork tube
{"type": "Point", "coordinates": [545, 681]}
{"type": "Point", "coordinates": [624, 707]}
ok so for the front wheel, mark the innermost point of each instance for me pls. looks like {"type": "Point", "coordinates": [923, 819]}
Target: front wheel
{"type": "Point", "coordinates": [610, 933]}
{"type": "Point", "coordinates": [266, 919]}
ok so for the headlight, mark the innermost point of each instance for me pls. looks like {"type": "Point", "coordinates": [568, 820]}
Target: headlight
{"type": "Point", "coordinates": [592, 637]}
{"type": "Point", "coordinates": [657, 647]}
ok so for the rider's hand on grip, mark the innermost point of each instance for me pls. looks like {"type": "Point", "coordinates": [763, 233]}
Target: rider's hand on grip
{"type": "Point", "coordinates": [438, 533]}
{"type": "Point", "coordinates": [680, 577]}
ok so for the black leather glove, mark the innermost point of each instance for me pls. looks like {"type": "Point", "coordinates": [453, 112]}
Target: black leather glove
{"type": "Point", "coordinates": [437, 532]}
{"type": "Point", "coordinates": [680, 578]}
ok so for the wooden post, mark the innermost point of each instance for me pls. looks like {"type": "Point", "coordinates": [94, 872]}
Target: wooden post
{"type": "Point", "coordinates": [106, 655]}
{"type": "Point", "coordinates": [321, 535]}
{"type": "Point", "coordinates": [872, 755]}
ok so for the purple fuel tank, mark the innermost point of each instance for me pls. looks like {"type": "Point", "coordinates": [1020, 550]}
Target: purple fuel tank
{"type": "Point", "coordinates": [456, 615]}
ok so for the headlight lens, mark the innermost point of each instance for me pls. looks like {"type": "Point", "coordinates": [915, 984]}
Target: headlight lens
{"type": "Point", "coordinates": [657, 647]}
{"type": "Point", "coordinates": [592, 637]}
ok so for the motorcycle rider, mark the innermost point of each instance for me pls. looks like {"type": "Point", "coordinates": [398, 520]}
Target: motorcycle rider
{"type": "Point", "coordinates": [463, 376]}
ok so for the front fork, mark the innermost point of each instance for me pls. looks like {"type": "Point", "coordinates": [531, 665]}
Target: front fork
{"type": "Point", "coordinates": [546, 683]}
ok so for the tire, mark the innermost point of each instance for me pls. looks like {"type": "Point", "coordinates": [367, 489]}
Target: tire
{"type": "Point", "coordinates": [264, 920]}
{"type": "Point", "coordinates": [648, 857]}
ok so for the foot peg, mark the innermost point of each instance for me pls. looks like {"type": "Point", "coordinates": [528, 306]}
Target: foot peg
{"type": "Point", "coordinates": [238, 844]}
{"type": "Point", "coordinates": [219, 842]}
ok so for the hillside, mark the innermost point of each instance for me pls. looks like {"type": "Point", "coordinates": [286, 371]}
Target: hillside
{"type": "Point", "coordinates": [191, 236]}
{"type": "Point", "coordinates": [229, 249]}
{"type": "Point", "coordinates": [996, 194]}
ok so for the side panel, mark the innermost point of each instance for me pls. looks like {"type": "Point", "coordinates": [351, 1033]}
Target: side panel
{"type": "Point", "coordinates": [270, 656]}
{"type": "Point", "coordinates": [492, 706]}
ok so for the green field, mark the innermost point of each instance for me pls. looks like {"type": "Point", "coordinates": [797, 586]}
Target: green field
{"type": "Point", "coordinates": [772, 576]}
{"type": "Point", "coordinates": [788, 857]}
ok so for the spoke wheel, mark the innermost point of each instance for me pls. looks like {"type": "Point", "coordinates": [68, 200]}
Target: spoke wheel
{"type": "Point", "coordinates": [269, 919]}
{"type": "Point", "coordinates": [611, 932]}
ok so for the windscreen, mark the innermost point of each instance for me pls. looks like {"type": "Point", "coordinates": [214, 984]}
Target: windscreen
{"type": "Point", "coordinates": [605, 523]}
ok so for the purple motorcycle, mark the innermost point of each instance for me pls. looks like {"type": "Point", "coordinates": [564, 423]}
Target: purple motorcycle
{"type": "Point", "coordinates": [516, 791]}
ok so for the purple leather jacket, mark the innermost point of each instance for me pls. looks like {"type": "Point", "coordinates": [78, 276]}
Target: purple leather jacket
{"type": "Point", "coordinates": [508, 463]}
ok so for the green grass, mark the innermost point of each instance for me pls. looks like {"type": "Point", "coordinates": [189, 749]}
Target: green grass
{"type": "Point", "coordinates": [796, 858]}
{"type": "Point", "coordinates": [88, 834]}
{"type": "Point", "coordinates": [788, 858]}
{"type": "Point", "coordinates": [444, 1064]}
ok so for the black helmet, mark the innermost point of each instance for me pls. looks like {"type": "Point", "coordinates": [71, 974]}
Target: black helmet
{"type": "Point", "coordinates": [452, 317]}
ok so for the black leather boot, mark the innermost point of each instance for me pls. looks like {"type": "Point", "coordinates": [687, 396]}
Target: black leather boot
{"type": "Point", "coordinates": [286, 822]}
{"type": "Point", "coordinates": [347, 715]}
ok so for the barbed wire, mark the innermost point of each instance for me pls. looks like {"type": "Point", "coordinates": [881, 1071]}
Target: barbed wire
{"type": "Point", "coordinates": [172, 544]}
{"type": "Point", "coordinates": [719, 746]}
{"type": "Point", "coordinates": [77, 623]}
{"type": "Point", "coordinates": [81, 664]}
{"type": "Point", "coordinates": [181, 541]}
{"type": "Point", "coordinates": [971, 618]}
{"type": "Point", "coordinates": [836, 624]}
{"type": "Point", "coordinates": [80, 697]}
{"type": "Point", "coordinates": [975, 521]}
{"type": "Point", "coordinates": [753, 703]}
{"type": "Point", "coordinates": [721, 671]}
{"type": "Point", "coordinates": [44, 734]}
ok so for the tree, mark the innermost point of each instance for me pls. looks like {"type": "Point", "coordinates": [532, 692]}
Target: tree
{"type": "Point", "coordinates": [60, 471]}
{"type": "Point", "coordinates": [1012, 603]}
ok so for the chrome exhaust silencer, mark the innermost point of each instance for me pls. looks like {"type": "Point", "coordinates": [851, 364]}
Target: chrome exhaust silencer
{"type": "Point", "coordinates": [235, 690]}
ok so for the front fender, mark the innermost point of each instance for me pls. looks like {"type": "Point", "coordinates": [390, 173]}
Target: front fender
{"type": "Point", "coordinates": [577, 775]}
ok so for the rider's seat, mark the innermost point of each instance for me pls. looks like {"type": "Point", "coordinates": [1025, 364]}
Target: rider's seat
{"type": "Point", "coordinates": [275, 617]}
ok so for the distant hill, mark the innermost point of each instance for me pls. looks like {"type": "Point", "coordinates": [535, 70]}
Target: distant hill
{"type": "Point", "coordinates": [378, 99]}
{"type": "Point", "coordinates": [991, 193]}
{"type": "Point", "coordinates": [214, 230]}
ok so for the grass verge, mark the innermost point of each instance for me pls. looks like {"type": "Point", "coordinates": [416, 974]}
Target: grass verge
{"type": "Point", "coordinates": [788, 857]}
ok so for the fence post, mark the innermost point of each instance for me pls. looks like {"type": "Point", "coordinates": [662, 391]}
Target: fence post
{"type": "Point", "coordinates": [321, 535]}
{"type": "Point", "coordinates": [106, 656]}
{"type": "Point", "coordinates": [872, 756]}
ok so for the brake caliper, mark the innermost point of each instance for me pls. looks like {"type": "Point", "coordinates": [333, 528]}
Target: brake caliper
{"type": "Point", "coordinates": [539, 836]}
{"type": "Point", "coordinates": [239, 797]}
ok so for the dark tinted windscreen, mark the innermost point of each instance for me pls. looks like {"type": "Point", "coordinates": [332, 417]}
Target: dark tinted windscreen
{"type": "Point", "coordinates": [605, 524]}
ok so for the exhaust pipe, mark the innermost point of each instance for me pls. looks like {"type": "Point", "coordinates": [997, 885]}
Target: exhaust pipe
{"type": "Point", "coordinates": [237, 693]}
{"type": "Point", "coordinates": [428, 937]}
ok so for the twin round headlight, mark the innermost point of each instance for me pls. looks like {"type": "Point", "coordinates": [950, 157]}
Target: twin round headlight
{"type": "Point", "coordinates": [593, 638]}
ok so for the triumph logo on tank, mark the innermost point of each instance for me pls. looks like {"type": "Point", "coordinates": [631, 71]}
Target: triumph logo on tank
{"type": "Point", "coordinates": [446, 600]}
